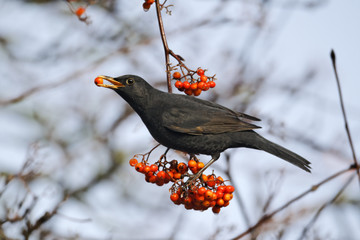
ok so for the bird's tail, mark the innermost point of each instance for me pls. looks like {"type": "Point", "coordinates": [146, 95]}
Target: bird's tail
{"type": "Point", "coordinates": [258, 142]}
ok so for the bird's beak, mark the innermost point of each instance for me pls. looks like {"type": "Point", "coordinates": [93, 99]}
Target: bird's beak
{"type": "Point", "coordinates": [114, 84]}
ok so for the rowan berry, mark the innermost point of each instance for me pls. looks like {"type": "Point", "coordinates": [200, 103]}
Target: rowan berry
{"type": "Point", "coordinates": [176, 75]}
{"type": "Point", "coordinates": [200, 72]}
{"type": "Point", "coordinates": [153, 168]}
{"type": "Point", "coordinates": [201, 85]}
{"type": "Point", "coordinates": [194, 86]}
{"type": "Point", "coordinates": [197, 92]}
{"type": "Point", "coordinates": [150, 1]}
{"type": "Point", "coordinates": [174, 197]}
{"type": "Point", "coordinates": [139, 167]}
{"type": "Point", "coordinates": [80, 11]}
{"type": "Point", "coordinates": [178, 84]}
{"type": "Point", "coordinates": [186, 85]}
{"type": "Point", "coordinates": [182, 168]}
{"type": "Point", "coordinates": [201, 190]}
{"type": "Point", "coordinates": [133, 162]}
{"type": "Point", "coordinates": [229, 189]}
{"type": "Point", "coordinates": [188, 91]}
{"type": "Point", "coordinates": [203, 78]}
{"type": "Point", "coordinates": [146, 169]}
{"type": "Point", "coordinates": [161, 175]}
{"type": "Point", "coordinates": [192, 163]}
{"type": "Point", "coordinates": [220, 202]}
{"type": "Point", "coordinates": [212, 84]}
{"type": "Point", "coordinates": [99, 80]}
{"type": "Point", "coordinates": [227, 197]}
{"type": "Point", "coordinates": [208, 194]}
{"type": "Point", "coordinates": [216, 209]}
{"type": "Point", "coordinates": [200, 165]}
{"type": "Point", "coordinates": [146, 6]}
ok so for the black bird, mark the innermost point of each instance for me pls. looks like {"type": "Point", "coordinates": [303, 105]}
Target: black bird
{"type": "Point", "coordinates": [194, 125]}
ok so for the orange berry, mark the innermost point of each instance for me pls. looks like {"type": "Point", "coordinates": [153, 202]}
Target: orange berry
{"type": "Point", "coordinates": [178, 84]}
{"type": "Point", "coordinates": [150, 1]}
{"type": "Point", "coordinates": [200, 72]}
{"type": "Point", "coordinates": [182, 168]}
{"type": "Point", "coordinates": [161, 175]}
{"type": "Point", "coordinates": [219, 180]}
{"type": "Point", "coordinates": [208, 194]}
{"type": "Point", "coordinates": [98, 81]}
{"type": "Point", "coordinates": [186, 85]}
{"type": "Point", "coordinates": [174, 197]}
{"type": "Point", "coordinates": [80, 11]}
{"type": "Point", "coordinates": [133, 162]}
{"type": "Point", "coordinates": [177, 175]}
{"type": "Point", "coordinates": [216, 209]}
{"type": "Point", "coordinates": [206, 203]}
{"type": "Point", "coordinates": [219, 194]}
{"type": "Point", "coordinates": [200, 165]}
{"type": "Point", "coordinates": [152, 179]}
{"type": "Point", "coordinates": [146, 6]}
{"type": "Point", "coordinates": [227, 197]}
{"type": "Point", "coordinates": [153, 168]}
{"type": "Point", "coordinates": [199, 197]}
{"type": "Point", "coordinates": [194, 169]}
{"type": "Point", "coordinates": [206, 86]}
{"type": "Point", "coordinates": [187, 200]}
{"type": "Point", "coordinates": [221, 188]}
{"type": "Point", "coordinates": [201, 85]}
{"type": "Point", "coordinates": [176, 75]}
{"type": "Point", "coordinates": [203, 78]}
{"type": "Point", "coordinates": [220, 202]}
{"type": "Point", "coordinates": [192, 163]}
{"type": "Point", "coordinates": [197, 92]}
{"type": "Point", "coordinates": [212, 84]}
{"type": "Point", "coordinates": [229, 189]}
{"type": "Point", "coordinates": [204, 178]}
{"type": "Point", "coordinates": [201, 190]}
{"type": "Point", "coordinates": [139, 167]}
{"type": "Point", "coordinates": [194, 86]}
{"type": "Point", "coordinates": [159, 181]}
{"type": "Point", "coordinates": [188, 91]}
{"type": "Point", "coordinates": [146, 169]}
{"type": "Point", "coordinates": [226, 203]}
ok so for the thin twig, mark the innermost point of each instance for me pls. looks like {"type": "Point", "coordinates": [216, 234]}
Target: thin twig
{"type": "Point", "coordinates": [333, 59]}
{"type": "Point", "coordinates": [266, 217]}
{"type": "Point", "coordinates": [166, 47]}
{"type": "Point", "coordinates": [313, 220]}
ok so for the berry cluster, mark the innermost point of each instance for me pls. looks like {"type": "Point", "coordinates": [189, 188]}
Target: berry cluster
{"type": "Point", "coordinates": [201, 194]}
{"type": "Point", "coordinates": [196, 84]}
{"type": "Point", "coordinates": [147, 4]}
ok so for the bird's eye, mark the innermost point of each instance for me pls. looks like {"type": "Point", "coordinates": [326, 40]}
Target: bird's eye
{"type": "Point", "coordinates": [130, 81]}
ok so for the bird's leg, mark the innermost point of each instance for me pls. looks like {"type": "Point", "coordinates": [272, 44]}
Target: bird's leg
{"type": "Point", "coordinates": [199, 173]}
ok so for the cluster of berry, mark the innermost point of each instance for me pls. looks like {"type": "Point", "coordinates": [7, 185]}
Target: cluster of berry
{"type": "Point", "coordinates": [195, 85]}
{"type": "Point", "coordinates": [147, 4]}
{"type": "Point", "coordinates": [203, 193]}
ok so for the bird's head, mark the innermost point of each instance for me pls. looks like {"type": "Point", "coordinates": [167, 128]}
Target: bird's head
{"type": "Point", "coordinates": [132, 88]}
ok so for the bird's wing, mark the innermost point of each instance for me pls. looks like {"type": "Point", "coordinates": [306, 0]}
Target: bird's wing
{"type": "Point", "coordinates": [199, 119]}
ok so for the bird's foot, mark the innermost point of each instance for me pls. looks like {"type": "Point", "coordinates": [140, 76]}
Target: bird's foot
{"type": "Point", "coordinates": [191, 180]}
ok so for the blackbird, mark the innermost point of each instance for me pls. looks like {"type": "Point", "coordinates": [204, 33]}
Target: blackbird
{"type": "Point", "coordinates": [193, 125]}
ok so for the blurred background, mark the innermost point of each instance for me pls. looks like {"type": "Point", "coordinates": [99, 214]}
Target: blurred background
{"type": "Point", "coordinates": [65, 143]}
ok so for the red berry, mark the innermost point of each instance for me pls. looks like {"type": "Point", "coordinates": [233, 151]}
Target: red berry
{"type": "Point", "coordinates": [203, 78]}
{"type": "Point", "coordinates": [146, 169]}
{"type": "Point", "coordinates": [194, 86]}
{"type": "Point", "coordinates": [227, 197]}
{"type": "Point", "coordinates": [212, 84]}
{"type": "Point", "coordinates": [186, 85]}
{"type": "Point", "coordinates": [192, 163]}
{"type": "Point", "coordinates": [216, 209]}
{"type": "Point", "coordinates": [208, 194]}
{"type": "Point", "coordinates": [201, 85]}
{"type": "Point", "coordinates": [206, 86]}
{"type": "Point", "coordinates": [139, 167]}
{"type": "Point", "coordinates": [146, 6]}
{"type": "Point", "coordinates": [200, 165]}
{"type": "Point", "coordinates": [99, 80]}
{"type": "Point", "coordinates": [161, 175]}
{"type": "Point", "coordinates": [197, 92]}
{"type": "Point", "coordinates": [153, 168]}
{"type": "Point", "coordinates": [182, 168]}
{"type": "Point", "coordinates": [200, 72]}
{"type": "Point", "coordinates": [178, 84]}
{"type": "Point", "coordinates": [220, 202]}
{"type": "Point", "coordinates": [176, 75]}
{"type": "Point", "coordinates": [133, 162]}
{"type": "Point", "coordinates": [188, 91]}
{"type": "Point", "coordinates": [80, 11]}
{"type": "Point", "coordinates": [174, 197]}
{"type": "Point", "coordinates": [229, 189]}
{"type": "Point", "coordinates": [201, 190]}
{"type": "Point", "coordinates": [150, 1]}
